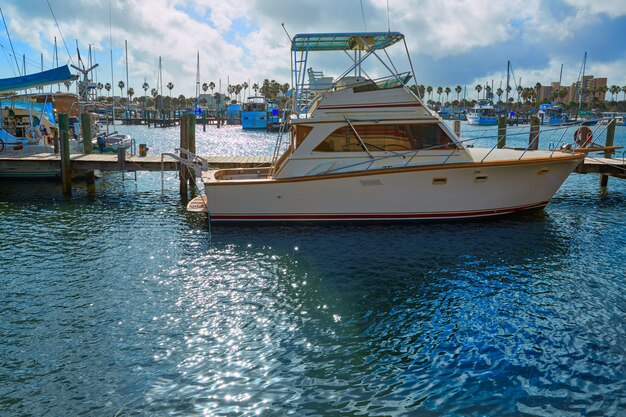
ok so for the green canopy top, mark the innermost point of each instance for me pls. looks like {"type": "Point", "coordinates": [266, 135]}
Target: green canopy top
{"type": "Point", "coordinates": [344, 41]}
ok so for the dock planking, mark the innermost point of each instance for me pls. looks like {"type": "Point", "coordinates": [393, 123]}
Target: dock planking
{"type": "Point", "coordinates": [615, 167]}
{"type": "Point", "coordinates": [80, 163]}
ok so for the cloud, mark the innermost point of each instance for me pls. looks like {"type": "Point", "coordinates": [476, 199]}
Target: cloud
{"type": "Point", "coordinates": [612, 8]}
{"type": "Point", "coordinates": [451, 41]}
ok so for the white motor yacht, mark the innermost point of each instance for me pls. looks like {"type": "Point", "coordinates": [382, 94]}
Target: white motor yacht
{"type": "Point", "coordinates": [369, 149]}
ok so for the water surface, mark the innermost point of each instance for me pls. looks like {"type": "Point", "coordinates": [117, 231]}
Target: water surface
{"type": "Point", "coordinates": [124, 304]}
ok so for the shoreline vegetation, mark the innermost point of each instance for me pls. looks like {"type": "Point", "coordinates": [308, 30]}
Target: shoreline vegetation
{"type": "Point", "coordinates": [521, 99]}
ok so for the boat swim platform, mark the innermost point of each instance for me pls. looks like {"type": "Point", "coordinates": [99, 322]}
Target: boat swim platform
{"type": "Point", "coordinates": [81, 163]}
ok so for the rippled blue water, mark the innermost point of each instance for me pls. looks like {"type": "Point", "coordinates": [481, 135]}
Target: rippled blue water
{"type": "Point", "coordinates": [123, 304]}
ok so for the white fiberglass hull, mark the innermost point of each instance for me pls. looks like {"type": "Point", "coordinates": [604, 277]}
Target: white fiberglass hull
{"type": "Point", "coordinates": [466, 191]}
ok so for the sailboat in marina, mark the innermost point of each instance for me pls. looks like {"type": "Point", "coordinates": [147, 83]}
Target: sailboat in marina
{"type": "Point", "coordinates": [25, 125]}
{"type": "Point", "coordinates": [369, 149]}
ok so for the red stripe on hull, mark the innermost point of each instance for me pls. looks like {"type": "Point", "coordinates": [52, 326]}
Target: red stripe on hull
{"type": "Point", "coordinates": [365, 217]}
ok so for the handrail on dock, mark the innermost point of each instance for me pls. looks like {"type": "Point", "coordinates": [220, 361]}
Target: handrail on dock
{"type": "Point", "coordinates": [191, 160]}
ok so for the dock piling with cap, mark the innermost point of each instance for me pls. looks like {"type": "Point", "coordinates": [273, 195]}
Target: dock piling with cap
{"type": "Point", "coordinates": [85, 126]}
{"type": "Point", "coordinates": [610, 137]}
{"type": "Point", "coordinates": [533, 139]}
{"type": "Point", "coordinates": [66, 166]}
{"type": "Point", "coordinates": [501, 131]}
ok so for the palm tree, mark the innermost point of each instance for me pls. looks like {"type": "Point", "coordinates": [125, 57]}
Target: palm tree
{"type": "Point", "coordinates": [499, 93]}
{"type": "Point", "coordinates": [107, 87]}
{"type": "Point", "coordinates": [145, 87]}
{"type": "Point", "coordinates": [614, 91]}
{"type": "Point", "coordinates": [245, 87]}
{"type": "Point", "coordinates": [205, 87]}
{"type": "Point", "coordinates": [478, 89]}
{"type": "Point", "coordinates": [429, 90]}
{"type": "Point", "coordinates": [100, 86]}
{"type": "Point", "coordinates": [130, 92]}
{"type": "Point", "coordinates": [121, 85]}
{"type": "Point", "coordinates": [624, 91]}
{"type": "Point", "coordinates": [537, 88]}
{"type": "Point", "coordinates": [170, 86]}
{"type": "Point", "coordinates": [211, 86]}
{"type": "Point", "coordinates": [154, 93]}
{"type": "Point", "coordinates": [447, 91]}
{"type": "Point", "coordinates": [458, 90]}
{"type": "Point", "coordinates": [238, 89]}
{"type": "Point", "coordinates": [439, 91]}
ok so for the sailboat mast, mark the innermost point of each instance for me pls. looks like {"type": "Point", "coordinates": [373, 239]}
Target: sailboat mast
{"type": "Point", "coordinates": [127, 85]}
{"type": "Point", "coordinates": [508, 80]}
{"type": "Point", "coordinates": [112, 77]}
{"type": "Point", "coordinates": [582, 80]}
{"type": "Point", "coordinates": [197, 79]}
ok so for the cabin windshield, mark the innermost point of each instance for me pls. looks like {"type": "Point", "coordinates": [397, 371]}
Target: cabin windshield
{"type": "Point", "coordinates": [397, 137]}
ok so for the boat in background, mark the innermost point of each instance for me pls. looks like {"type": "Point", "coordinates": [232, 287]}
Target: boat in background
{"type": "Point", "coordinates": [254, 113]}
{"type": "Point", "coordinates": [483, 113]}
{"type": "Point", "coordinates": [28, 122]}
{"type": "Point", "coordinates": [553, 115]}
{"type": "Point", "coordinates": [370, 149]}
{"type": "Point", "coordinates": [608, 115]}
{"type": "Point", "coordinates": [233, 114]}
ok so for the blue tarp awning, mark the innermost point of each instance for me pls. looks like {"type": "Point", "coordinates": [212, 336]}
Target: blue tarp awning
{"type": "Point", "coordinates": [40, 79]}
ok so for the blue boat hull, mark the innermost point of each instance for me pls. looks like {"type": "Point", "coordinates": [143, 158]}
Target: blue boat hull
{"type": "Point", "coordinates": [254, 120]}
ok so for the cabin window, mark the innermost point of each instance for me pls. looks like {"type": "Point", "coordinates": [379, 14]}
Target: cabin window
{"type": "Point", "coordinates": [299, 133]}
{"type": "Point", "coordinates": [397, 138]}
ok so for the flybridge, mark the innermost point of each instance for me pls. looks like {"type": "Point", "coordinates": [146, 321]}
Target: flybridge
{"type": "Point", "coordinates": [344, 41]}
{"type": "Point", "coordinates": [358, 46]}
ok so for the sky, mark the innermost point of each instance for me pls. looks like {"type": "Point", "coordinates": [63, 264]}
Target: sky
{"type": "Point", "coordinates": [451, 42]}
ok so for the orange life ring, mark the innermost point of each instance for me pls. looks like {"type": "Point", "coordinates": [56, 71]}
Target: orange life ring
{"type": "Point", "coordinates": [583, 136]}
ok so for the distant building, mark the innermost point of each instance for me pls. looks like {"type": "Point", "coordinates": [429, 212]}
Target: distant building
{"type": "Point", "coordinates": [592, 86]}
{"type": "Point", "coordinates": [589, 83]}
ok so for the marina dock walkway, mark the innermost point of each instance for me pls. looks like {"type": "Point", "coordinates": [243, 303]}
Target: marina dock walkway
{"type": "Point", "coordinates": [47, 162]}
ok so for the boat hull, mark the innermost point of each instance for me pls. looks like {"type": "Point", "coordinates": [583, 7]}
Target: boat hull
{"type": "Point", "coordinates": [468, 191]}
{"type": "Point", "coordinates": [254, 120]}
{"type": "Point", "coordinates": [483, 121]}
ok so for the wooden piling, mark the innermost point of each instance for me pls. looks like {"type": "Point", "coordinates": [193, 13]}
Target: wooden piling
{"type": "Point", "coordinates": [533, 138]}
{"type": "Point", "coordinates": [501, 131]}
{"type": "Point", "coordinates": [55, 141]}
{"type": "Point", "coordinates": [182, 176]}
{"type": "Point", "coordinates": [610, 136]}
{"type": "Point", "coordinates": [457, 128]}
{"type": "Point", "coordinates": [66, 166]}
{"type": "Point", "coordinates": [85, 126]}
{"type": "Point", "coordinates": [204, 121]}
{"type": "Point", "coordinates": [191, 143]}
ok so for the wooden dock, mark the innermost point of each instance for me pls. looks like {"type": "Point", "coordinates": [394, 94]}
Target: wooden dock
{"type": "Point", "coordinates": [42, 163]}
{"type": "Point", "coordinates": [614, 167]}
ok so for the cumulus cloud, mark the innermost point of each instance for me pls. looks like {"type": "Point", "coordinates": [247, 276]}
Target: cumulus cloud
{"type": "Point", "coordinates": [451, 41]}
